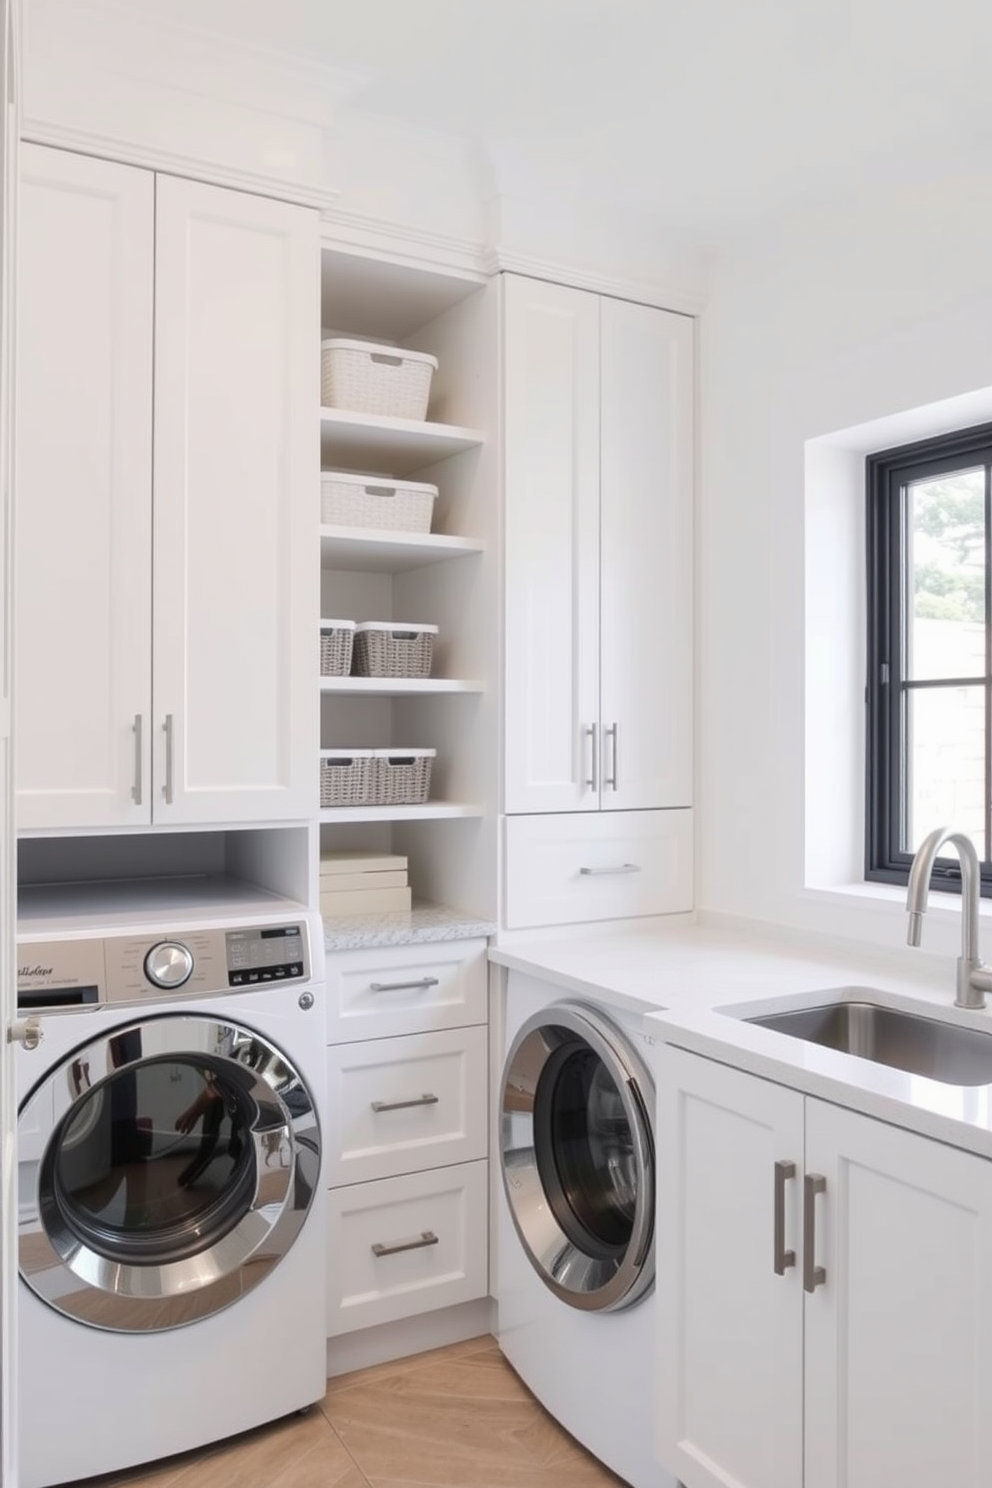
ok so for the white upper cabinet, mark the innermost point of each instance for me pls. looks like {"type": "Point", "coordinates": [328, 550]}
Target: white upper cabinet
{"type": "Point", "coordinates": [598, 441]}
{"type": "Point", "coordinates": [167, 463]}
{"type": "Point", "coordinates": [236, 470]}
{"type": "Point", "coordinates": [82, 629]}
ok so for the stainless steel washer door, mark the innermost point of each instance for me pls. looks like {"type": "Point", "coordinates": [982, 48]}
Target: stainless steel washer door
{"type": "Point", "coordinates": [577, 1157]}
{"type": "Point", "coordinates": [180, 1158]}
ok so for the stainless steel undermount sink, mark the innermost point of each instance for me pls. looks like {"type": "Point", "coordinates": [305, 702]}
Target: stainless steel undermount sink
{"type": "Point", "coordinates": [906, 1041]}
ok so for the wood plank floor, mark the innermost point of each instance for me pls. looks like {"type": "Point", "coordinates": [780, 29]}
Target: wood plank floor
{"type": "Point", "coordinates": [457, 1417]}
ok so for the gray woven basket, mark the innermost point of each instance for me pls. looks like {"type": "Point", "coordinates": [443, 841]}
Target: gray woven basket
{"type": "Point", "coordinates": [382, 652]}
{"type": "Point", "coordinates": [347, 778]}
{"type": "Point", "coordinates": [336, 647]}
{"type": "Point", "coordinates": [403, 777]}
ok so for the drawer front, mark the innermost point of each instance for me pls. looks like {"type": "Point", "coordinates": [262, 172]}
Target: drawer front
{"type": "Point", "coordinates": [405, 989]}
{"type": "Point", "coordinates": [403, 1246]}
{"type": "Point", "coordinates": [400, 1105]}
{"type": "Point", "coordinates": [564, 870]}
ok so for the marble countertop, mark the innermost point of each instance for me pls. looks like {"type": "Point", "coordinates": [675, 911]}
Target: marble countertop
{"type": "Point", "coordinates": [695, 985]}
{"type": "Point", "coordinates": [420, 925]}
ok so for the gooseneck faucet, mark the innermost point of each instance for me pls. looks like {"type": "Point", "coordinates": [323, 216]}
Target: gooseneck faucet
{"type": "Point", "coordinates": [974, 978]}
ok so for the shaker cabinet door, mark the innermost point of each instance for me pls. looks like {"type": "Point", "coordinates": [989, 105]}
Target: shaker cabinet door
{"type": "Point", "coordinates": [552, 547]}
{"type": "Point", "coordinates": [236, 504]}
{"type": "Point", "coordinates": [82, 624]}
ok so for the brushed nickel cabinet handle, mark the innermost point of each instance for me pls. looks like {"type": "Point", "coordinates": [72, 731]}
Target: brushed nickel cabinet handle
{"type": "Point", "coordinates": [167, 729]}
{"type": "Point", "coordinates": [593, 781]}
{"type": "Point", "coordinates": [425, 1238]}
{"type": "Point", "coordinates": [613, 735]}
{"type": "Point", "coordinates": [813, 1275]}
{"type": "Point", "coordinates": [138, 729]}
{"type": "Point", "coordinates": [403, 986]}
{"type": "Point", "coordinates": [403, 1105]}
{"type": "Point", "coordinates": [783, 1258]}
{"type": "Point", "coordinates": [615, 868]}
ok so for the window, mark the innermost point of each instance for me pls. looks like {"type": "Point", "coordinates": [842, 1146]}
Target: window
{"type": "Point", "coordinates": [929, 691]}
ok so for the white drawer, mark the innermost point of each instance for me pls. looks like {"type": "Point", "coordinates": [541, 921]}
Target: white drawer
{"type": "Point", "coordinates": [572, 868]}
{"type": "Point", "coordinates": [398, 1105]}
{"type": "Point", "coordinates": [403, 1246]}
{"type": "Point", "coordinates": [405, 989]}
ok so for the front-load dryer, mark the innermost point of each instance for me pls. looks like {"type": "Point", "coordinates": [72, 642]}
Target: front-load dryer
{"type": "Point", "coordinates": [172, 1224]}
{"type": "Point", "coordinates": [576, 1255]}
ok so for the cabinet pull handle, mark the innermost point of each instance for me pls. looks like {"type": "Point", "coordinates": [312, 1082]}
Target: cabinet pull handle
{"type": "Point", "coordinates": [167, 787]}
{"type": "Point", "coordinates": [403, 986]}
{"type": "Point", "coordinates": [616, 868]}
{"type": "Point", "coordinates": [784, 1170]}
{"type": "Point", "coordinates": [592, 781]}
{"type": "Point", "coordinates": [425, 1238]}
{"type": "Point", "coordinates": [613, 734]}
{"type": "Point", "coordinates": [138, 731]}
{"type": "Point", "coordinates": [420, 1100]}
{"type": "Point", "coordinates": [813, 1275]}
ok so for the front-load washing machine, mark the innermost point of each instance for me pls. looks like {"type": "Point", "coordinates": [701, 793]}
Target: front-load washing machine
{"type": "Point", "coordinates": [576, 1256]}
{"type": "Point", "coordinates": [172, 1225]}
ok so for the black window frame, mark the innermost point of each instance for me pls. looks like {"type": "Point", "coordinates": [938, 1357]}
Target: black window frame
{"type": "Point", "coordinates": [887, 473]}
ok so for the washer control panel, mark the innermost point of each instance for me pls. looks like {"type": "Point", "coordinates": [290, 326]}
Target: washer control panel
{"type": "Point", "coordinates": [142, 968]}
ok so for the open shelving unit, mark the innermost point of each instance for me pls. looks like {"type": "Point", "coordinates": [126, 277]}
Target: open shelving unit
{"type": "Point", "coordinates": [445, 577]}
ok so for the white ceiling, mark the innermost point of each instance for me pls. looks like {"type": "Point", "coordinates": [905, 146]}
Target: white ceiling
{"type": "Point", "coordinates": [715, 115]}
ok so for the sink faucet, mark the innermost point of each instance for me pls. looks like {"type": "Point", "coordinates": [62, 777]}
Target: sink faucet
{"type": "Point", "coordinates": [974, 978]}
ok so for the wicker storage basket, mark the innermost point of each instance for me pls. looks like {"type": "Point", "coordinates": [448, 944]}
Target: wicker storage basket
{"type": "Point", "coordinates": [393, 649]}
{"type": "Point", "coordinates": [347, 777]}
{"type": "Point", "coordinates": [348, 500]}
{"type": "Point", "coordinates": [366, 378]}
{"type": "Point", "coordinates": [403, 776]}
{"type": "Point", "coordinates": [336, 644]}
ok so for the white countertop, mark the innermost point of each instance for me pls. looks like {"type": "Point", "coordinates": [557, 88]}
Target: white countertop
{"type": "Point", "coordinates": [683, 977]}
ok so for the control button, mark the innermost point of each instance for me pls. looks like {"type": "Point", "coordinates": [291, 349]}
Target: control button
{"type": "Point", "coordinates": [169, 964]}
{"type": "Point", "coordinates": [236, 979]}
{"type": "Point", "coordinates": [278, 971]}
{"type": "Point", "coordinates": [295, 968]}
{"type": "Point", "coordinates": [266, 976]}
{"type": "Point", "coordinates": [253, 976]}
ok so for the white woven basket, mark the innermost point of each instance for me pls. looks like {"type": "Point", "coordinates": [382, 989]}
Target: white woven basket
{"type": "Point", "coordinates": [403, 776]}
{"type": "Point", "coordinates": [366, 378]}
{"type": "Point", "coordinates": [393, 649]}
{"type": "Point", "coordinates": [347, 777]}
{"type": "Point", "coordinates": [336, 643]}
{"type": "Point", "coordinates": [349, 500]}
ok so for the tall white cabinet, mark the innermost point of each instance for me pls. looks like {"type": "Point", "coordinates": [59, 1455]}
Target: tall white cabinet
{"type": "Point", "coordinates": [167, 494]}
{"type": "Point", "coordinates": [598, 436]}
{"type": "Point", "coordinates": [825, 1306]}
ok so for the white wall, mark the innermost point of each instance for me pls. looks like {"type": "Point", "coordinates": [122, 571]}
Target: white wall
{"type": "Point", "coordinates": [842, 319]}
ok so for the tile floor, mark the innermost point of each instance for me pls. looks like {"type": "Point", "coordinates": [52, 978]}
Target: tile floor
{"type": "Point", "coordinates": [457, 1417]}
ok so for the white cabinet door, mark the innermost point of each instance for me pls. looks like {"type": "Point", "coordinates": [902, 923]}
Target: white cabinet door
{"type": "Point", "coordinates": [899, 1336]}
{"type": "Point", "coordinates": [730, 1329]}
{"type": "Point", "coordinates": [83, 491]}
{"type": "Point", "coordinates": [551, 481]}
{"type": "Point", "coordinates": [236, 505]}
{"type": "Point", "coordinates": [646, 557]}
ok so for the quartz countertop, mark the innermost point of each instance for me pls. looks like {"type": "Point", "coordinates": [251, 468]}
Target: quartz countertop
{"type": "Point", "coordinates": [420, 925]}
{"type": "Point", "coordinates": [695, 984]}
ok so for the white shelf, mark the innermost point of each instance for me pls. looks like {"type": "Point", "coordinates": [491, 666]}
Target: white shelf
{"type": "Point", "coordinates": [388, 446]}
{"type": "Point", "coordinates": [396, 686]}
{"type": "Point", "coordinates": [380, 550]}
{"type": "Point", "coordinates": [429, 811]}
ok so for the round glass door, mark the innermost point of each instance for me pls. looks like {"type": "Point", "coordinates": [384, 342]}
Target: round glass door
{"type": "Point", "coordinates": [178, 1169]}
{"type": "Point", "coordinates": [578, 1162]}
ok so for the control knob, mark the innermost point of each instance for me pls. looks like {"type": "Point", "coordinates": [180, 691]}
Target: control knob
{"type": "Point", "coordinates": [169, 964]}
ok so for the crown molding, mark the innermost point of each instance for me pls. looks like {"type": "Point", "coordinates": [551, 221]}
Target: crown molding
{"type": "Point", "coordinates": [400, 243]}
{"type": "Point", "coordinates": [667, 293]}
{"type": "Point", "coordinates": [195, 167]}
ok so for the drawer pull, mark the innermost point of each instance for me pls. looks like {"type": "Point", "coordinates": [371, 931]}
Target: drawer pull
{"type": "Point", "coordinates": [617, 868]}
{"type": "Point", "coordinates": [420, 1100]}
{"type": "Point", "coordinates": [425, 1238]}
{"type": "Point", "coordinates": [403, 986]}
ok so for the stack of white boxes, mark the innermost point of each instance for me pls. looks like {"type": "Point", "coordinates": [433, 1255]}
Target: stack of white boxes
{"type": "Point", "coordinates": [356, 882]}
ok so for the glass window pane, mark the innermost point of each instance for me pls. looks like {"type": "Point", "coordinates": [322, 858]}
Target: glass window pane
{"type": "Point", "coordinates": [945, 763]}
{"type": "Point", "coordinates": [945, 538]}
